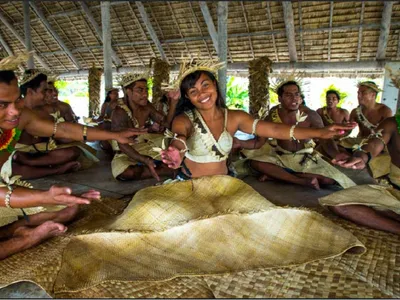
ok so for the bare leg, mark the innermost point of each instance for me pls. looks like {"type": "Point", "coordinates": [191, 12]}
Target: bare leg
{"type": "Point", "coordinates": [26, 237]}
{"type": "Point", "coordinates": [142, 172]}
{"type": "Point", "coordinates": [28, 172]}
{"type": "Point", "coordinates": [54, 157]}
{"type": "Point", "coordinates": [279, 173]}
{"type": "Point", "coordinates": [321, 179]}
{"type": "Point", "coordinates": [367, 216]}
{"type": "Point", "coordinates": [62, 216]}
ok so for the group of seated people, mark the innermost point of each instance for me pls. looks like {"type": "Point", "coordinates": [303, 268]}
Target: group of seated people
{"type": "Point", "coordinates": [191, 138]}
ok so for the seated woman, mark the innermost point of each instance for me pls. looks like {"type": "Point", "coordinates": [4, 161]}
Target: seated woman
{"type": "Point", "coordinates": [186, 223]}
{"type": "Point", "coordinates": [104, 120]}
{"type": "Point", "coordinates": [374, 206]}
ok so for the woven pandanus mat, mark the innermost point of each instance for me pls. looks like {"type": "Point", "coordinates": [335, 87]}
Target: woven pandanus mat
{"type": "Point", "coordinates": [373, 274]}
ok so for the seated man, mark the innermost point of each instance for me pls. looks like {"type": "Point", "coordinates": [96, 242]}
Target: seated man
{"type": "Point", "coordinates": [37, 156]}
{"type": "Point", "coordinates": [54, 105]}
{"type": "Point", "coordinates": [370, 205]}
{"type": "Point", "coordinates": [136, 161]}
{"type": "Point", "coordinates": [294, 161]}
{"type": "Point", "coordinates": [368, 115]}
{"type": "Point", "coordinates": [14, 118]}
{"type": "Point", "coordinates": [330, 113]}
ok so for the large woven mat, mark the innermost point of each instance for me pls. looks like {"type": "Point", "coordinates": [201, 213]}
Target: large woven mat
{"type": "Point", "coordinates": [373, 274]}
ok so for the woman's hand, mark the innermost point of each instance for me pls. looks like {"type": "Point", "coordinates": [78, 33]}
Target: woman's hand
{"type": "Point", "coordinates": [174, 96]}
{"type": "Point", "coordinates": [331, 131]}
{"type": "Point", "coordinates": [63, 196]}
{"type": "Point", "coordinates": [125, 136]}
{"type": "Point", "coordinates": [171, 157]}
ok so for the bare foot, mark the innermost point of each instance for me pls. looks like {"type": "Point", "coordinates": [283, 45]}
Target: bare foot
{"type": "Point", "coordinates": [67, 214]}
{"type": "Point", "coordinates": [34, 236]}
{"type": "Point", "coordinates": [70, 166]}
{"type": "Point", "coordinates": [263, 178]}
{"type": "Point", "coordinates": [312, 182]}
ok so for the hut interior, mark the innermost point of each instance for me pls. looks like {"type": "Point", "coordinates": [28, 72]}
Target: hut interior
{"type": "Point", "coordinates": [348, 39]}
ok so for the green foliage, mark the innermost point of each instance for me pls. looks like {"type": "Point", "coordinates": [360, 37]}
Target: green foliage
{"type": "Point", "coordinates": [150, 88]}
{"type": "Point", "coordinates": [273, 98]}
{"type": "Point", "coordinates": [342, 95]}
{"type": "Point", "coordinates": [237, 95]}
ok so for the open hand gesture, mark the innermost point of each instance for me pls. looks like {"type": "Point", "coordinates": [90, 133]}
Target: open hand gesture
{"type": "Point", "coordinates": [331, 131]}
{"type": "Point", "coordinates": [171, 157]}
{"type": "Point", "coordinates": [63, 196]}
{"type": "Point", "coordinates": [125, 136]}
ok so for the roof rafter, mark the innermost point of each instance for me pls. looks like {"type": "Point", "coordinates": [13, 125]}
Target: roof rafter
{"type": "Point", "coordinates": [150, 29]}
{"type": "Point", "coordinates": [222, 12]}
{"type": "Point", "coordinates": [21, 40]}
{"type": "Point", "coordinates": [199, 28]}
{"type": "Point", "coordinates": [140, 27]}
{"type": "Point", "coordinates": [27, 31]}
{"type": "Point", "coordinates": [177, 25]}
{"type": "Point", "coordinates": [99, 31]}
{"type": "Point", "coordinates": [330, 30]}
{"type": "Point", "coordinates": [54, 34]}
{"type": "Point", "coordinates": [385, 29]}
{"type": "Point", "coordinates": [289, 25]}
{"type": "Point", "coordinates": [272, 28]}
{"type": "Point", "coordinates": [301, 30]}
{"type": "Point", "coordinates": [210, 24]}
{"type": "Point", "coordinates": [247, 27]}
{"type": "Point", "coordinates": [360, 31]}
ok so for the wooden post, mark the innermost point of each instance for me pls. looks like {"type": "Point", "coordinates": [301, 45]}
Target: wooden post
{"type": "Point", "coordinates": [105, 22]}
{"type": "Point", "coordinates": [222, 44]}
{"type": "Point", "coordinates": [289, 24]}
{"type": "Point", "coordinates": [27, 29]}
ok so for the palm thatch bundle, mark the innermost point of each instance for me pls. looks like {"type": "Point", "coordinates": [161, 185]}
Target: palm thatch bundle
{"type": "Point", "coordinates": [160, 75]}
{"type": "Point", "coordinates": [259, 70]}
{"type": "Point", "coordinates": [94, 91]}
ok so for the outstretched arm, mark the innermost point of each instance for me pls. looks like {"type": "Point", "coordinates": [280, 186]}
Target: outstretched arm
{"type": "Point", "coordinates": [375, 146]}
{"type": "Point", "coordinates": [24, 197]}
{"type": "Point", "coordinates": [245, 123]}
{"type": "Point", "coordinates": [35, 125]}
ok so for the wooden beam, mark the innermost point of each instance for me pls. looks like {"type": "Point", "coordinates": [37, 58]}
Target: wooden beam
{"type": "Point", "coordinates": [54, 34]}
{"type": "Point", "coordinates": [99, 32]}
{"type": "Point", "coordinates": [247, 27]}
{"type": "Point", "coordinates": [106, 28]}
{"type": "Point", "coordinates": [199, 28]}
{"type": "Point", "coordinates": [385, 29]}
{"type": "Point", "coordinates": [372, 65]}
{"type": "Point", "coordinates": [21, 40]}
{"type": "Point", "coordinates": [301, 30]}
{"type": "Point", "coordinates": [222, 12]}
{"type": "Point", "coordinates": [5, 46]}
{"type": "Point", "coordinates": [232, 35]}
{"type": "Point", "coordinates": [289, 25]}
{"type": "Point", "coordinates": [27, 30]}
{"type": "Point", "coordinates": [360, 31]}
{"type": "Point", "coordinates": [210, 24]}
{"type": "Point", "coordinates": [330, 30]}
{"type": "Point", "coordinates": [150, 29]}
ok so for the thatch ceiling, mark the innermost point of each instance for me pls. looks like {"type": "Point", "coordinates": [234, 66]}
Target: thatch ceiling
{"type": "Point", "coordinates": [326, 31]}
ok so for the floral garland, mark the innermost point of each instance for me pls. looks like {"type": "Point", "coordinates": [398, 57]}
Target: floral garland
{"type": "Point", "coordinates": [7, 137]}
{"type": "Point", "coordinates": [397, 117]}
{"type": "Point", "coordinates": [364, 120]}
{"type": "Point", "coordinates": [129, 113]}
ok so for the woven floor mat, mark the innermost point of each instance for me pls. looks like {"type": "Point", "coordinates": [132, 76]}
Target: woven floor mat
{"type": "Point", "coordinates": [374, 274]}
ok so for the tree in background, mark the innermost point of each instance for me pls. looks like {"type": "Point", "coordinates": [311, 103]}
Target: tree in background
{"type": "Point", "coordinates": [342, 95]}
{"type": "Point", "coordinates": [237, 94]}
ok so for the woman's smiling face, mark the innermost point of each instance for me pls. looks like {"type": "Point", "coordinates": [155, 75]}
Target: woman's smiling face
{"type": "Point", "coordinates": [203, 94]}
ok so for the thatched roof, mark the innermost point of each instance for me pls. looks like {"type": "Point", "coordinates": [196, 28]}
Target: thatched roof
{"type": "Point", "coordinates": [326, 31]}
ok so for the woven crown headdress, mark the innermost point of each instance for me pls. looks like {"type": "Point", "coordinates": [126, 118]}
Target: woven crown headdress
{"type": "Point", "coordinates": [283, 78]}
{"type": "Point", "coordinates": [12, 62]}
{"type": "Point", "coordinates": [189, 66]}
{"type": "Point", "coordinates": [129, 78]}
{"type": "Point", "coordinates": [31, 74]}
{"type": "Point", "coordinates": [370, 84]}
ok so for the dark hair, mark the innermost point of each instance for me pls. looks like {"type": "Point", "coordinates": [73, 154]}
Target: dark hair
{"type": "Point", "coordinates": [280, 89]}
{"type": "Point", "coordinates": [108, 99]}
{"type": "Point", "coordinates": [303, 98]}
{"type": "Point", "coordinates": [333, 92]}
{"type": "Point", "coordinates": [7, 76]}
{"type": "Point", "coordinates": [33, 84]}
{"type": "Point", "coordinates": [188, 82]}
